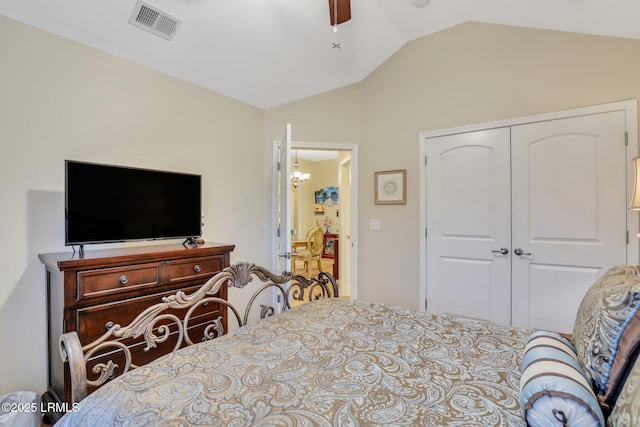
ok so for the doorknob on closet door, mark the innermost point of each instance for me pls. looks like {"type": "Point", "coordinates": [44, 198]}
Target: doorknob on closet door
{"type": "Point", "coordinates": [502, 251]}
{"type": "Point", "coordinates": [519, 251]}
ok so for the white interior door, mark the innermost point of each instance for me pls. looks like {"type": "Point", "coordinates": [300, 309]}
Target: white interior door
{"type": "Point", "coordinates": [344, 243]}
{"type": "Point", "coordinates": [569, 213]}
{"type": "Point", "coordinates": [468, 223]}
{"type": "Point", "coordinates": [552, 192]}
{"type": "Point", "coordinates": [284, 206]}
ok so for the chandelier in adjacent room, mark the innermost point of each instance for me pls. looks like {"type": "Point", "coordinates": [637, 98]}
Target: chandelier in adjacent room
{"type": "Point", "coordinates": [298, 177]}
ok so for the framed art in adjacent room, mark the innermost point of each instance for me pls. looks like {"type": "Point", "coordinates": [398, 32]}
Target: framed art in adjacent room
{"type": "Point", "coordinates": [391, 187]}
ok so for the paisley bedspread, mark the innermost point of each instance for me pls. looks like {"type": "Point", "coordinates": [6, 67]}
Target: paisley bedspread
{"type": "Point", "coordinates": [334, 362]}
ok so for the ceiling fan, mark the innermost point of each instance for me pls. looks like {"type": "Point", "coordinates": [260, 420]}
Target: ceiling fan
{"type": "Point", "coordinates": [340, 10]}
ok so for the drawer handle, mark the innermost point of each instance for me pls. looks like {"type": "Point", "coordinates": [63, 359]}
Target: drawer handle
{"type": "Point", "coordinates": [108, 325]}
{"type": "Point", "coordinates": [197, 268]}
{"type": "Point", "coordinates": [123, 279]}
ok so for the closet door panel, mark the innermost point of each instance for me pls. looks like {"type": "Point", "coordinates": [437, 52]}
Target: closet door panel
{"type": "Point", "coordinates": [468, 218]}
{"type": "Point", "coordinates": [569, 213]}
{"type": "Point", "coordinates": [563, 189]}
{"type": "Point", "coordinates": [467, 288]}
{"type": "Point", "coordinates": [547, 312]}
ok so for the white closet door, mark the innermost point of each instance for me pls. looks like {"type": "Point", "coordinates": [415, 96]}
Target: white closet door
{"type": "Point", "coordinates": [569, 213]}
{"type": "Point", "coordinates": [468, 221]}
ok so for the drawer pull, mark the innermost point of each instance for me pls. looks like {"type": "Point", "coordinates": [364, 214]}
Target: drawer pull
{"type": "Point", "coordinates": [123, 279]}
{"type": "Point", "coordinates": [197, 268]}
{"type": "Point", "coordinates": [108, 325]}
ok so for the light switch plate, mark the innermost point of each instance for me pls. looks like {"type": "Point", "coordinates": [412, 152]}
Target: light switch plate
{"type": "Point", "coordinates": [374, 225]}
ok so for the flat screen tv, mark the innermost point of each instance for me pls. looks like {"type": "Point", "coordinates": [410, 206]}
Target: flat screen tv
{"type": "Point", "coordinates": [107, 203]}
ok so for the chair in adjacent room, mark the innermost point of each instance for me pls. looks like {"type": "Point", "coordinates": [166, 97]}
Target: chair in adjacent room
{"type": "Point", "coordinates": [312, 251]}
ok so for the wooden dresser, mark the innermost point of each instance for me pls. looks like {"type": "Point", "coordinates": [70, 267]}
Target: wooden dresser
{"type": "Point", "coordinates": [86, 293]}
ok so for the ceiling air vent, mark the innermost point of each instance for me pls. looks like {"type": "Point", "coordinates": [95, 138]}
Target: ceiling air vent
{"type": "Point", "coordinates": [154, 20]}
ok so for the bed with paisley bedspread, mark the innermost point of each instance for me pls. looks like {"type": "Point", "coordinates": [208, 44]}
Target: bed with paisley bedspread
{"type": "Point", "coordinates": [332, 362]}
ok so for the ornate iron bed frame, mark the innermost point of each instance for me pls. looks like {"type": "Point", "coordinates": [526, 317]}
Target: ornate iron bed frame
{"type": "Point", "coordinates": [146, 323]}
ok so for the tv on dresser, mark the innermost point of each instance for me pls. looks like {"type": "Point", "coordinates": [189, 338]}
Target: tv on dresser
{"type": "Point", "coordinates": [109, 203]}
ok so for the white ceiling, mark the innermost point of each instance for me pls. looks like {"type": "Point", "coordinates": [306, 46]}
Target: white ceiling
{"type": "Point", "coordinates": [315, 155]}
{"type": "Point", "coordinates": [270, 52]}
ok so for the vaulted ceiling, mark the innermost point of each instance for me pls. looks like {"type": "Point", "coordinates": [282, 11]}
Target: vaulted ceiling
{"type": "Point", "coordinates": [271, 52]}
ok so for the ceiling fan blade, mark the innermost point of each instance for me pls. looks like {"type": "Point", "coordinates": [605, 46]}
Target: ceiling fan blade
{"type": "Point", "coordinates": [344, 11]}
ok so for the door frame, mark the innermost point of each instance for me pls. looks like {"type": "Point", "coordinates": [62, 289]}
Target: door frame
{"type": "Point", "coordinates": [345, 242]}
{"type": "Point", "coordinates": [353, 202]}
{"type": "Point", "coordinates": [630, 108]}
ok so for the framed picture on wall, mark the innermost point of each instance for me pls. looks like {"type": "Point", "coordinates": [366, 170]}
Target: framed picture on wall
{"type": "Point", "coordinates": [390, 187]}
{"type": "Point", "coordinates": [327, 196]}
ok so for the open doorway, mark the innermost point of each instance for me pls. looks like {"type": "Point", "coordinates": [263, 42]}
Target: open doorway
{"type": "Point", "coordinates": [323, 199]}
{"type": "Point", "coordinates": [344, 214]}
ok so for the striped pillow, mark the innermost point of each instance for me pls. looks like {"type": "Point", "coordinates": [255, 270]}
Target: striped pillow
{"type": "Point", "coordinates": [553, 387]}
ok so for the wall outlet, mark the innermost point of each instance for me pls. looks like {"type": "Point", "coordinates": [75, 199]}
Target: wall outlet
{"type": "Point", "coordinates": [374, 225]}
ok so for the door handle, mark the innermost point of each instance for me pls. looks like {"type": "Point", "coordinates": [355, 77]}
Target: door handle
{"type": "Point", "coordinates": [502, 251]}
{"type": "Point", "coordinates": [286, 255]}
{"type": "Point", "coordinates": [519, 251]}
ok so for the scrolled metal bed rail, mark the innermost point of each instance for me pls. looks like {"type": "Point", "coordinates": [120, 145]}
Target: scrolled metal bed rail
{"type": "Point", "coordinates": [155, 325]}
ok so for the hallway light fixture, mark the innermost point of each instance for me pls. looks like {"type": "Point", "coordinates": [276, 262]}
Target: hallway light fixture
{"type": "Point", "coordinates": [298, 177]}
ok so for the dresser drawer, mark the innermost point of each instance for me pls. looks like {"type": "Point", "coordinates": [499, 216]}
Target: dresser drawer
{"type": "Point", "coordinates": [139, 355]}
{"type": "Point", "coordinates": [95, 320]}
{"type": "Point", "coordinates": [191, 268]}
{"type": "Point", "coordinates": [105, 281]}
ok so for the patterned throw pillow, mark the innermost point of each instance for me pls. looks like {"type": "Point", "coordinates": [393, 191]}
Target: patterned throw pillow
{"type": "Point", "coordinates": [626, 413]}
{"type": "Point", "coordinates": [553, 387]}
{"type": "Point", "coordinates": [607, 331]}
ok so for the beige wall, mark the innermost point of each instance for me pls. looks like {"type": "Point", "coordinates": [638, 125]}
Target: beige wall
{"type": "Point", "coordinates": [302, 198]}
{"type": "Point", "coordinates": [323, 174]}
{"type": "Point", "coordinates": [61, 100]}
{"type": "Point", "coordinates": [468, 74]}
